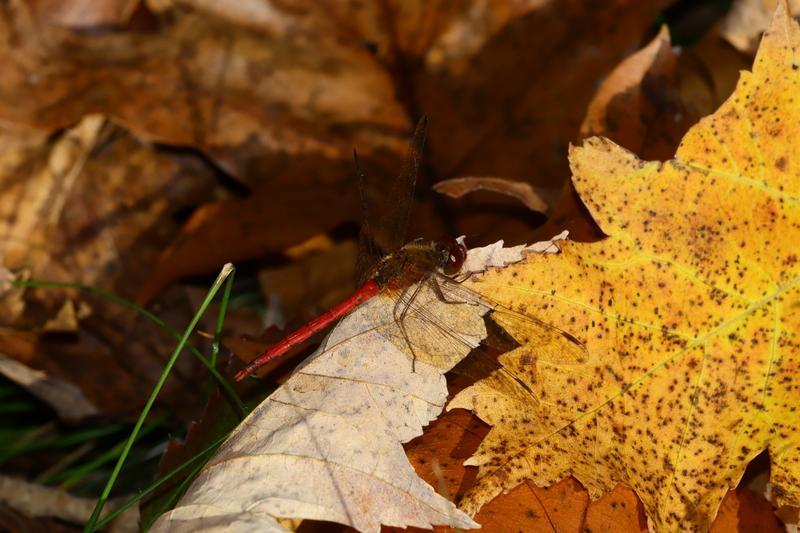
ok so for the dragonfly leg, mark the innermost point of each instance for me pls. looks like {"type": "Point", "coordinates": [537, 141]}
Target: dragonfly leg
{"type": "Point", "coordinates": [403, 306]}
{"type": "Point", "coordinates": [437, 290]}
{"type": "Point", "coordinates": [461, 278]}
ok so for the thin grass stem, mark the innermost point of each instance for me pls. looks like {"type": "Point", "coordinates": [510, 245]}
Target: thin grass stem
{"type": "Point", "coordinates": [149, 315]}
{"type": "Point", "coordinates": [91, 525]}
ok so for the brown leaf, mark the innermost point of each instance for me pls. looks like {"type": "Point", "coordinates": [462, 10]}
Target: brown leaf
{"type": "Point", "coordinates": [647, 104]}
{"type": "Point", "coordinates": [11, 520]}
{"type": "Point", "coordinates": [707, 73]}
{"type": "Point", "coordinates": [95, 206]}
{"type": "Point", "coordinates": [276, 93]}
{"type": "Point", "coordinates": [237, 230]}
{"type": "Point", "coordinates": [524, 192]}
{"type": "Point", "coordinates": [318, 280]}
{"type": "Point", "coordinates": [37, 500]}
{"type": "Point", "coordinates": [291, 93]}
{"type": "Point", "coordinates": [743, 510]}
{"type": "Point", "coordinates": [638, 105]}
{"type": "Point", "coordinates": [451, 439]}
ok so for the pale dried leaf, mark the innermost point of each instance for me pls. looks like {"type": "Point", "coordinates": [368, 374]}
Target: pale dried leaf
{"type": "Point", "coordinates": [327, 445]}
{"type": "Point", "coordinates": [67, 318]}
{"type": "Point", "coordinates": [494, 255]}
{"type": "Point", "coordinates": [37, 500]}
{"type": "Point", "coordinates": [83, 14]}
{"type": "Point", "coordinates": [747, 20]}
{"type": "Point", "coordinates": [12, 299]}
{"type": "Point", "coordinates": [67, 399]}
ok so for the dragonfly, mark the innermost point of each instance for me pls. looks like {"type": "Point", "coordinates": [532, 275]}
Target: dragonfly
{"type": "Point", "coordinates": [420, 277]}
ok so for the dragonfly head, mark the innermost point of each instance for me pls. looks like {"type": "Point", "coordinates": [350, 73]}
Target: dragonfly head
{"type": "Point", "coordinates": [452, 254]}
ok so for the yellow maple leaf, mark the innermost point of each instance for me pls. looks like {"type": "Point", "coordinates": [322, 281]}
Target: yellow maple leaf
{"type": "Point", "coordinates": [689, 311]}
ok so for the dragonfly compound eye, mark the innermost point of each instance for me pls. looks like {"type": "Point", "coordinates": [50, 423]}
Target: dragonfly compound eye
{"type": "Point", "coordinates": [456, 254]}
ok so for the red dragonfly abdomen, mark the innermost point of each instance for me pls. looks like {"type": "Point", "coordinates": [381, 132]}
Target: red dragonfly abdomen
{"type": "Point", "coordinates": [367, 291]}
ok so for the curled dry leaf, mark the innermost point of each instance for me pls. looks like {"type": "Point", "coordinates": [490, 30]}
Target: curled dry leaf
{"type": "Point", "coordinates": [38, 500]}
{"type": "Point", "coordinates": [524, 192]}
{"type": "Point", "coordinates": [685, 310]}
{"type": "Point", "coordinates": [646, 104]}
{"type": "Point", "coordinates": [65, 398]}
{"type": "Point", "coordinates": [327, 444]}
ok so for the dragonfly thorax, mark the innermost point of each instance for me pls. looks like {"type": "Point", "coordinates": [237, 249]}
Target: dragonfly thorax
{"type": "Point", "coordinates": [418, 260]}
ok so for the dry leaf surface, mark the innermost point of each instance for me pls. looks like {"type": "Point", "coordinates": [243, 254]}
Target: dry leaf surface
{"type": "Point", "coordinates": [92, 205]}
{"type": "Point", "coordinates": [686, 310]}
{"type": "Point", "coordinates": [326, 77]}
{"type": "Point", "coordinates": [65, 398]}
{"type": "Point", "coordinates": [327, 444]}
{"type": "Point", "coordinates": [40, 501]}
{"type": "Point", "coordinates": [522, 191]}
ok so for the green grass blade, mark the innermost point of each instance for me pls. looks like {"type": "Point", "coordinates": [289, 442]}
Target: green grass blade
{"type": "Point", "coordinates": [70, 477]}
{"type": "Point", "coordinates": [149, 315]}
{"type": "Point", "coordinates": [91, 525]}
{"type": "Point", "coordinates": [172, 473]}
{"type": "Point", "coordinates": [223, 309]}
{"type": "Point", "coordinates": [63, 441]}
{"type": "Point", "coordinates": [179, 490]}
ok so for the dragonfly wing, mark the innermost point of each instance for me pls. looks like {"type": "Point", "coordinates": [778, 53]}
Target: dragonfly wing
{"type": "Point", "coordinates": [368, 252]}
{"type": "Point", "coordinates": [556, 344]}
{"type": "Point", "coordinates": [394, 222]}
{"type": "Point", "coordinates": [440, 337]}
{"type": "Point", "coordinates": [388, 235]}
{"type": "Point", "coordinates": [429, 323]}
{"type": "Point", "coordinates": [434, 332]}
